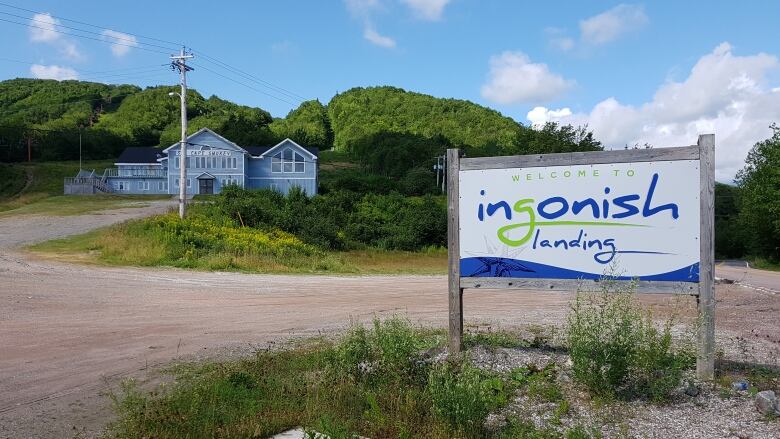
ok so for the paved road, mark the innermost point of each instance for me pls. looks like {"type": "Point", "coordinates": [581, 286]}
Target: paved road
{"type": "Point", "coordinates": [768, 281]}
{"type": "Point", "coordinates": [69, 332]}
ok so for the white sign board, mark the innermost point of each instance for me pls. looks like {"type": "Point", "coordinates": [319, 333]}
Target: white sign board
{"type": "Point", "coordinates": [575, 222]}
{"type": "Point", "coordinates": [205, 152]}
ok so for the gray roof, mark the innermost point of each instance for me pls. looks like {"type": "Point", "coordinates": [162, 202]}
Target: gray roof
{"type": "Point", "coordinates": [135, 154]}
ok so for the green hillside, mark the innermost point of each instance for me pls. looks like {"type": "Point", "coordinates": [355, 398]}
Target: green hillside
{"type": "Point", "coordinates": [362, 112]}
{"type": "Point", "coordinates": [48, 114]}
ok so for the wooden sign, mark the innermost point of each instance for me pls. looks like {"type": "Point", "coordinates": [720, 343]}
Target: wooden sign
{"type": "Point", "coordinates": [556, 221]}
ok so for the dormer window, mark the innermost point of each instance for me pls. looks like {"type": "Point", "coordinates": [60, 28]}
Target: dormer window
{"type": "Point", "coordinates": [287, 160]}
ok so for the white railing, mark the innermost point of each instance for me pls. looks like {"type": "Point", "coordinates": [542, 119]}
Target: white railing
{"type": "Point", "coordinates": [135, 173]}
{"type": "Point", "coordinates": [85, 185]}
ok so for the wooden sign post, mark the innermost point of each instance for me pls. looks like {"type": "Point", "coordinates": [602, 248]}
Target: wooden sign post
{"type": "Point", "coordinates": [651, 211]}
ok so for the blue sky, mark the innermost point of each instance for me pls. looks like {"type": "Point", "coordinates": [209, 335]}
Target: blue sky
{"type": "Point", "coordinates": [655, 72]}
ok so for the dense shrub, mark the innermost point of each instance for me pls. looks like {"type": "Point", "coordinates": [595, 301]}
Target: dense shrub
{"type": "Point", "coordinates": [397, 222]}
{"type": "Point", "coordinates": [616, 349]}
{"type": "Point", "coordinates": [420, 181]}
{"type": "Point", "coordinates": [394, 154]}
{"type": "Point", "coordinates": [342, 219]}
{"type": "Point", "coordinates": [355, 180]}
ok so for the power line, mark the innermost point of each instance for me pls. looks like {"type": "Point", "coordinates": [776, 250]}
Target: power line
{"type": "Point", "coordinates": [91, 25]}
{"type": "Point", "coordinates": [251, 77]}
{"type": "Point", "coordinates": [140, 45]}
{"type": "Point", "coordinates": [83, 36]}
{"type": "Point", "coordinates": [244, 84]}
{"type": "Point", "coordinates": [133, 42]}
{"type": "Point", "coordinates": [18, 61]}
{"type": "Point", "coordinates": [140, 72]}
{"type": "Point", "coordinates": [159, 79]}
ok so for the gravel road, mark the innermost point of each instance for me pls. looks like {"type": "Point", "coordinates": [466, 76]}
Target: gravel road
{"type": "Point", "coordinates": [70, 332]}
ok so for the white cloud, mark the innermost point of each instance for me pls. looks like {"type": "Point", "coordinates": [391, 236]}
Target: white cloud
{"type": "Point", "coordinates": [43, 29]}
{"type": "Point", "coordinates": [724, 94]}
{"type": "Point", "coordinates": [431, 10]}
{"type": "Point", "coordinates": [564, 44]}
{"type": "Point", "coordinates": [122, 43]}
{"type": "Point", "coordinates": [541, 115]}
{"type": "Point", "coordinates": [600, 29]}
{"type": "Point", "coordinates": [380, 40]}
{"type": "Point", "coordinates": [53, 72]}
{"type": "Point", "coordinates": [514, 79]}
{"type": "Point", "coordinates": [609, 25]}
{"type": "Point", "coordinates": [363, 10]}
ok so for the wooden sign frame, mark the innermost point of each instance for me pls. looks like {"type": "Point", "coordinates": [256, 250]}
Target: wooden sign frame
{"type": "Point", "coordinates": [704, 151]}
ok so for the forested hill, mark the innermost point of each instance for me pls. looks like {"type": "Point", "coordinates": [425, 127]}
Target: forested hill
{"type": "Point", "coordinates": [112, 117]}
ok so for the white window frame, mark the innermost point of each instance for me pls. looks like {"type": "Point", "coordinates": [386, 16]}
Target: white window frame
{"type": "Point", "coordinates": [189, 183]}
{"type": "Point", "coordinates": [283, 163]}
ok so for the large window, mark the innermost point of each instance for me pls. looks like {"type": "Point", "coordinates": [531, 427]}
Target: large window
{"type": "Point", "coordinates": [228, 181]}
{"type": "Point", "coordinates": [287, 161]}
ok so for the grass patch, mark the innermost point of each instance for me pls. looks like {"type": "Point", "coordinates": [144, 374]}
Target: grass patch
{"type": "Point", "coordinates": [13, 180]}
{"type": "Point", "coordinates": [763, 264]}
{"type": "Point", "coordinates": [205, 243]}
{"type": "Point", "coordinates": [759, 377]}
{"type": "Point", "coordinates": [373, 382]}
{"type": "Point", "coordinates": [377, 381]}
{"type": "Point", "coordinates": [377, 261]}
{"type": "Point", "coordinates": [64, 205]}
{"type": "Point", "coordinates": [47, 181]}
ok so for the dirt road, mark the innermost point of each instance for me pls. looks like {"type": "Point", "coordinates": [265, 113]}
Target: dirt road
{"type": "Point", "coordinates": [69, 332]}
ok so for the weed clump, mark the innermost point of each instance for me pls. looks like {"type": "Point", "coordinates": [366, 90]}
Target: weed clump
{"type": "Point", "coordinates": [463, 395]}
{"type": "Point", "coordinates": [390, 350]}
{"type": "Point", "coordinates": [616, 349]}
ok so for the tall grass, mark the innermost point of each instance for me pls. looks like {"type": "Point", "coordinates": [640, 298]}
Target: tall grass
{"type": "Point", "coordinates": [209, 241]}
{"type": "Point", "coordinates": [618, 351]}
{"type": "Point", "coordinates": [373, 382]}
{"type": "Point", "coordinates": [201, 241]}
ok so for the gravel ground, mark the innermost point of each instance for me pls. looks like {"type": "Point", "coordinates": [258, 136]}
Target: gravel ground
{"type": "Point", "coordinates": [71, 332]}
{"type": "Point", "coordinates": [710, 414]}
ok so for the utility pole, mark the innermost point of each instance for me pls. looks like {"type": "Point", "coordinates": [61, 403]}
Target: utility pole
{"type": "Point", "coordinates": [438, 163]}
{"type": "Point", "coordinates": [179, 63]}
{"type": "Point", "coordinates": [443, 172]}
{"type": "Point", "coordinates": [79, 147]}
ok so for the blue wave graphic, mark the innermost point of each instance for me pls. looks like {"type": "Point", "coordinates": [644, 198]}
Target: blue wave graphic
{"type": "Point", "coordinates": [505, 267]}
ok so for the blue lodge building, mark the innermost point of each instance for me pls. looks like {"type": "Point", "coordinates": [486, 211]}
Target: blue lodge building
{"type": "Point", "coordinates": [213, 162]}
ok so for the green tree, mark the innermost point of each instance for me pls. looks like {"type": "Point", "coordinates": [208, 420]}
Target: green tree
{"type": "Point", "coordinates": [246, 126]}
{"type": "Point", "coordinates": [759, 184]}
{"type": "Point", "coordinates": [308, 125]}
{"type": "Point", "coordinates": [729, 234]}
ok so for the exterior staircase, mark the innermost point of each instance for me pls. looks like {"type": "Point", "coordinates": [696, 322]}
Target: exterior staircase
{"type": "Point", "coordinates": [87, 182]}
